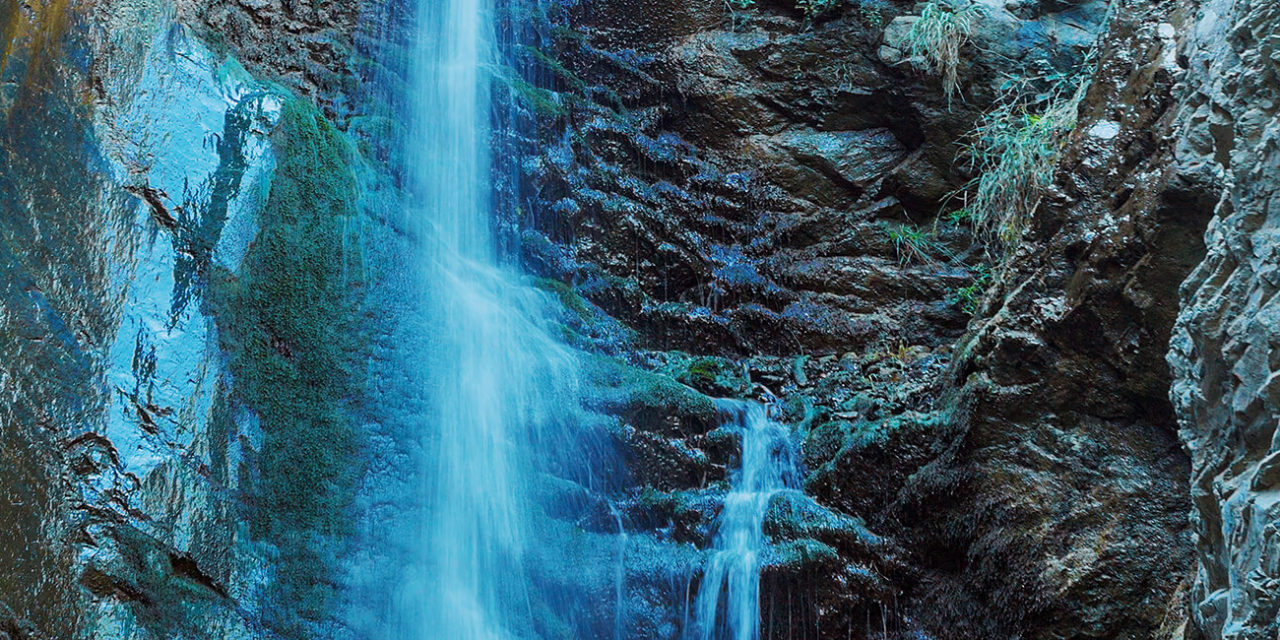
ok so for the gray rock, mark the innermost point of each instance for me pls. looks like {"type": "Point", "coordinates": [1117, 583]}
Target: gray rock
{"type": "Point", "coordinates": [1223, 351]}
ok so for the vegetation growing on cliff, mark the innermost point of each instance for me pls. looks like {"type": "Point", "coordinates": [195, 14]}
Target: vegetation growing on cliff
{"type": "Point", "coordinates": [936, 38]}
{"type": "Point", "coordinates": [1015, 149]}
{"type": "Point", "coordinates": [289, 321]}
{"type": "Point", "coordinates": [813, 8]}
{"type": "Point", "coordinates": [914, 244]}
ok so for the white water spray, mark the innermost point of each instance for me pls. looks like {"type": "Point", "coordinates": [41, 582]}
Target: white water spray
{"type": "Point", "coordinates": [494, 372]}
{"type": "Point", "coordinates": [727, 606]}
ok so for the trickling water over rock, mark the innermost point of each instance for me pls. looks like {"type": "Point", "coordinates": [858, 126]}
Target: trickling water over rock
{"type": "Point", "coordinates": [214, 328]}
{"type": "Point", "coordinates": [728, 602]}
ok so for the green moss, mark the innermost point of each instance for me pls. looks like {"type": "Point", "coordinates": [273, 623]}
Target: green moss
{"type": "Point", "coordinates": [554, 66]}
{"type": "Point", "coordinates": [569, 34]}
{"type": "Point", "coordinates": [645, 398]}
{"type": "Point", "coordinates": [826, 441]}
{"type": "Point", "coordinates": [703, 369]}
{"type": "Point", "coordinates": [568, 296]}
{"type": "Point", "coordinates": [165, 592]}
{"type": "Point", "coordinates": [792, 515]}
{"type": "Point", "coordinates": [708, 374]}
{"type": "Point", "coordinates": [803, 554]}
{"type": "Point", "coordinates": [541, 101]}
{"type": "Point", "coordinates": [289, 321]}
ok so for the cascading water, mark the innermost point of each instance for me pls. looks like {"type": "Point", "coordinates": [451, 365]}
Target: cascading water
{"type": "Point", "coordinates": [499, 389]}
{"type": "Point", "coordinates": [493, 371]}
{"type": "Point", "coordinates": [727, 606]}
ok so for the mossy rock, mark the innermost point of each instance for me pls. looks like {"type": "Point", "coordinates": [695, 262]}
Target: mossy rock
{"type": "Point", "coordinates": [825, 441]}
{"type": "Point", "coordinates": [711, 375]}
{"type": "Point", "coordinates": [165, 589]}
{"type": "Point", "coordinates": [830, 441]}
{"type": "Point", "coordinates": [290, 323]}
{"type": "Point", "coordinates": [799, 556]}
{"type": "Point", "coordinates": [543, 103]}
{"type": "Point", "coordinates": [647, 400]}
{"type": "Point", "coordinates": [569, 297]}
{"type": "Point", "coordinates": [688, 515]}
{"type": "Point", "coordinates": [792, 515]}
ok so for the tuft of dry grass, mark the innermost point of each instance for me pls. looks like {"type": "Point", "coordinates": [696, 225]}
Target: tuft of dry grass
{"type": "Point", "coordinates": [1015, 150]}
{"type": "Point", "coordinates": [936, 38]}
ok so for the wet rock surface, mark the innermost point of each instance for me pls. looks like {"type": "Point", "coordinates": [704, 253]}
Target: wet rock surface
{"type": "Point", "coordinates": [727, 203]}
{"type": "Point", "coordinates": [307, 46]}
{"type": "Point", "coordinates": [1064, 435]}
{"type": "Point", "coordinates": [749, 203]}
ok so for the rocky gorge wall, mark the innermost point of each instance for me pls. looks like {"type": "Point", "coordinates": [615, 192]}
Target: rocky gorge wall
{"type": "Point", "coordinates": [162, 207]}
{"type": "Point", "coordinates": [1221, 354]}
{"type": "Point", "coordinates": [730, 200]}
{"type": "Point", "coordinates": [748, 208]}
{"type": "Point", "coordinates": [1048, 482]}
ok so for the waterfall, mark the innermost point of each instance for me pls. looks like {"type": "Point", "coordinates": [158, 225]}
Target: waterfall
{"type": "Point", "coordinates": [493, 370]}
{"type": "Point", "coordinates": [727, 606]}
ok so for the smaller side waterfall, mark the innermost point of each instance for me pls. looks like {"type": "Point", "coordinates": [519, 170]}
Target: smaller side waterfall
{"type": "Point", "coordinates": [727, 606]}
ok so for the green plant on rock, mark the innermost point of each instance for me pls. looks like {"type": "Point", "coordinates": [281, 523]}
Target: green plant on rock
{"type": "Point", "coordinates": [290, 321]}
{"type": "Point", "coordinates": [569, 297]}
{"type": "Point", "coordinates": [815, 8]}
{"type": "Point", "coordinates": [542, 102]}
{"type": "Point", "coordinates": [935, 40]}
{"type": "Point", "coordinates": [739, 12]}
{"type": "Point", "coordinates": [968, 297]}
{"type": "Point", "coordinates": [872, 15]}
{"type": "Point", "coordinates": [958, 217]}
{"type": "Point", "coordinates": [570, 79]}
{"type": "Point", "coordinates": [1014, 151]}
{"type": "Point", "coordinates": [913, 244]}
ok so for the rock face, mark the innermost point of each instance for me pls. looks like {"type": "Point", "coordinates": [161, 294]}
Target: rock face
{"type": "Point", "coordinates": [751, 199]}
{"type": "Point", "coordinates": [733, 200]}
{"type": "Point", "coordinates": [1222, 355]}
{"type": "Point", "coordinates": [307, 46]}
{"type": "Point", "coordinates": [1063, 488]}
{"type": "Point", "coordinates": [142, 500]}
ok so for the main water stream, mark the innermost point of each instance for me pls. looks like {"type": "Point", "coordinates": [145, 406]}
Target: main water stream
{"type": "Point", "coordinates": [493, 372]}
{"type": "Point", "coordinates": [499, 385]}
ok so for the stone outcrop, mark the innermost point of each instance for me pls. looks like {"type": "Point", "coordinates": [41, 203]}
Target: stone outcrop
{"type": "Point", "coordinates": [754, 211]}
{"type": "Point", "coordinates": [1223, 350]}
{"type": "Point", "coordinates": [745, 183]}
{"type": "Point", "coordinates": [307, 46]}
{"type": "Point", "coordinates": [1062, 490]}
{"type": "Point", "coordinates": [140, 165]}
